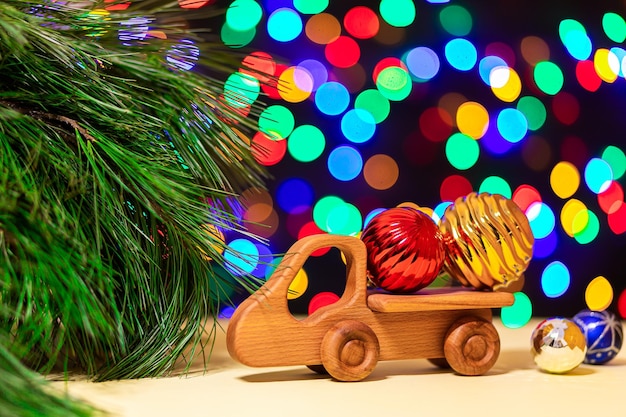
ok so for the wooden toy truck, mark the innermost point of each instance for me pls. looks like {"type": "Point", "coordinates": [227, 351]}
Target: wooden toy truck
{"type": "Point", "coordinates": [449, 326]}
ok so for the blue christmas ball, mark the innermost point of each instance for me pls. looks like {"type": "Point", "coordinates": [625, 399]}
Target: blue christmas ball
{"type": "Point", "coordinates": [603, 334]}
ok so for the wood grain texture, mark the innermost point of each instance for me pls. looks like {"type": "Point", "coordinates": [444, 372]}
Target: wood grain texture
{"type": "Point", "coordinates": [438, 299]}
{"type": "Point", "coordinates": [262, 331]}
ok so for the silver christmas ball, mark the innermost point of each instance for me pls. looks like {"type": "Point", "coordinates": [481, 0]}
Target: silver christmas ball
{"type": "Point", "coordinates": [558, 345]}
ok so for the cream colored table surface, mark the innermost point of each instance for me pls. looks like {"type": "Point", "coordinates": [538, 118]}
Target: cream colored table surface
{"type": "Point", "coordinates": [513, 387]}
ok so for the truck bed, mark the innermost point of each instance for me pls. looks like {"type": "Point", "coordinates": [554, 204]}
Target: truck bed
{"type": "Point", "coordinates": [434, 299]}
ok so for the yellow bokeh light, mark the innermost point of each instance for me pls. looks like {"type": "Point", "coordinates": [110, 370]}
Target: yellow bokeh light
{"type": "Point", "coordinates": [604, 64]}
{"type": "Point", "coordinates": [599, 294]}
{"type": "Point", "coordinates": [295, 85]}
{"type": "Point", "coordinates": [409, 204]}
{"type": "Point", "coordinates": [564, 179]}
{"type": "Point", "coordinates": [580, 222]}
{"type": "Point", "coordinates": [505, 84]}
{"type": "Point", "coordinates": [472, 119]}
{"type": "Point", "coordinates": [571, 218]}
{"type": "Point", "coordinates": [299, 285]}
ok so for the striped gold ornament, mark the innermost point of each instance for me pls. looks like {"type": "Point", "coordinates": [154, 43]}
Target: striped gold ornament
{"type": "Point", "coordinates": [488, 241]}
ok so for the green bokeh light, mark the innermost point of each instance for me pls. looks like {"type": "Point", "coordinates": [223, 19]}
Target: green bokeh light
{"type": "Point", "coordinates": [548, 77]}
{"type": "Point", "coordinates": [534, 110]}
{"type": "Point", "coordinates": [306, 143]}
{"type": "Point", "coordinates": [614, 26]}
{"type": "Point", "coordinates": [518, 314]}
{"type": "Point", "coordinates": [344, 220]}
{"type": "Point", "coordinates": [243, 15]}
{"type": "Point", "coordinates": [310, 6]}
{"type": "Point", "coordinates": [277, 122]}
{"type": "Point", "coordinates": [323, 208]}
{"type": "Point", "coordinates": [616, 159]}
{"type": "Point", "coordinates": [235, 38]}
{"type": "Point", "coordinates": [241, 90]}
{"type": "Point", "coordinates": [591, 230]}
{"type": "Point", "coordinates": [394, 83]}
{"type": "Point", "coordinates": [462, 151]}
{"type": "Point", "coordinates": [456, 20]}
{"type": "Point", "coordinates": [495, 185]}
{"type": "Point", "coordinates": [399, 13]}
{"type": "Point", "coordinates": [375, 103]}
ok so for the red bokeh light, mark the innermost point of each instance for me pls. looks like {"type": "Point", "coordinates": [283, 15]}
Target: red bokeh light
{"type": "Point", "coordinates": [566, 108]}
{"type": "Point", "coordinates": [453, 187]}
{"type": "Point", "coordinates": [611, 199]}
{"type": "Point", "coordinates": [617, 219]}
{"type": "Point", "coordinates": [361, 22]}
{"type": "Point", "coordinates": [525, 196]}
{"type": "Point", "coordinates": [343, 52]}
{"type": "Point", "coordinates": [322, 299]}
{"type": "Point", "coordinates": [267, 151]}
{"type": "Point", "coordinates": [309, 229]}
{"type": "Point", "coordinates": [385, 63]}
{"type": "Point", "coordinates": [587, 76]}
{"type": "Point", "coordinates": [436, 124]}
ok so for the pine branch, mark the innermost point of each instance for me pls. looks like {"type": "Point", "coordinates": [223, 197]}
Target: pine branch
{"type": "Point", "coordinates": [114, 162]}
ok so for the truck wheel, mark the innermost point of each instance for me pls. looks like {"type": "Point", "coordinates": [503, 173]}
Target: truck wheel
{"type": "Point", "coordinates": [472, 346]}
{"type": "Point", "coordinates": [350, 351]}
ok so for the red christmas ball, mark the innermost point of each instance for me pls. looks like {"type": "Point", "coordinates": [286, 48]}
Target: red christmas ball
{"type": "Point", "coordinates": [405, 250]}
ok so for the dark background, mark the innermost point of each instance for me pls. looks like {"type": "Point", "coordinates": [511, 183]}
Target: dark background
{"type": "Point", "coordinates": [601, 123]}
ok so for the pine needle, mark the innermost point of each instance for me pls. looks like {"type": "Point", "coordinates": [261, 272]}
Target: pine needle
{"type": "Point", "coordinates": [115, 157]}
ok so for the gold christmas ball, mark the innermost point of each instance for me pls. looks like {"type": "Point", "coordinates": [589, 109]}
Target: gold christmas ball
{"type": "Point", "coordinates": [558, 345]}
{"type": "Point", "coordinates": [488, 241]}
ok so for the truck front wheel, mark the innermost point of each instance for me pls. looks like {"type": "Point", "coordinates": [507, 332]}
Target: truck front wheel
{"type": "Point", "coordinates": [472, 346]}
{"type": "Point", "coordinates": [350, 351]}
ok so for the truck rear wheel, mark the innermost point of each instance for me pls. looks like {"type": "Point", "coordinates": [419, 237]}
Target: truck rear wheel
{"type": "Point", "coordinates": [472, 346]}
{"type": "Point", "coordinates": [350, 351]}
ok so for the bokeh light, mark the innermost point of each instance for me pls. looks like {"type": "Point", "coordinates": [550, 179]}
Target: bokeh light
{"type": "Point", "coordinates": [472, 119]}
{"type": "Point", "coordinates": [241, 256]}
{"type": "Point", "coordinates": [495, 185]}
{"type": "Point", "coordinates": [614, 27]}
{"type": "Point", "coordinates": [548, 77]}
{"type": "Point", "coordinates": [555, 279]}
{"type": "Point", "coordinates": [462, 151]}
{"type": "Point", "coordinates": [322, 28]}
{"type": "Point", "coordinates": [375, 103]}
{"type": "Point", "coordinates": [541, 219]}
{"type": "Point", "coordinates": [345, 163]}
{"type": "Point", "coordinates": [381, 172]}
{"type": "Point", "coordinates": [276, 121]}
{"type": "Point", "coordinates": [399, 13]}
{"type": "Point", "coordinates": [361, 22]}
{"type": "Point", "coordinates": [243, 15]}
{"type": "Point", "coordinates": [616, 159]}
{"type": "Point", "coordinates": [332, 98]}
{"type": "Point", "coordinates": [598, 175]}
{"type": "Point", "coordinates": [394, 106]}
{"type": "Point", "coordinates": [306, 143]}
{"type": "Point", "coordinates": [358, 125]}
{"type": "Point", "coordinates": [423, 63]}
{"type": "Point", "coordinates": [564, 179]}
{"type": "Point", "coordinates": [456, 20]}
{"type": "Point", "coordinates": [461, 54]}
{"type": "Point", "coordinates": [518, 314]}
{"type": "Point", "coordinates": [599, 294]}
{"type": "Point", "coordinates": [343, 52]}
{"type": "Point", "coordinates": [310, 6]}
{"type": "Point", "coordinates": [533, 110]}
{"type": "Point", "coordinates": [512, 125]}
{"type": "Point", "coordinates": [394, 83]}
{"type": "Point", "coordinates": [575, 38]}
{"type": "Point", "coordinates": [284, 25]}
